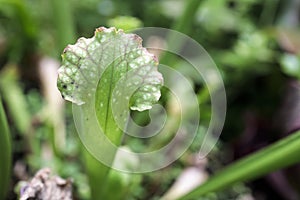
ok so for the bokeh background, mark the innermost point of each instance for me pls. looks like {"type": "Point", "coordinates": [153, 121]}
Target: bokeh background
{"type": "Point", "coordinates": [255, 44]}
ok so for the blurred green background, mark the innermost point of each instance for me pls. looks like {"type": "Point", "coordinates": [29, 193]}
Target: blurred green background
{"type": "Point", "coordinates": [255, 44]}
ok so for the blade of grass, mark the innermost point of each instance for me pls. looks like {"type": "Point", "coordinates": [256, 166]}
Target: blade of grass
{"type": "Point", "coordinates": [5, 154]}
{"type": "Point", "coordinates": [14, 98]}
{"type": "Point", "coordinates": [276, 156]}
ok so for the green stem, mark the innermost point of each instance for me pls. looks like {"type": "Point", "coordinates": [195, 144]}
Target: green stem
{"type": "Point", "coordinates": [97, 173]}
{"type": "Point", "coordinates": [185, 22]}
{"type": "Point", "coordinates": [183, 25]}
{"type": "Point", "coordinates": [5, 153]}
{"type": "Point", "coordinates": [14, 98]}
{"type": "Point", "coordinates": [276, 156]}
{"type": "Point", "coordinates": [64, 23]}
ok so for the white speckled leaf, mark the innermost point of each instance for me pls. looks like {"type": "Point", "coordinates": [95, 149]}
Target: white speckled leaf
{"type": "Point", "coordinates": [93, 67]}
{"type": "Point", "coordinates": [85, 62]}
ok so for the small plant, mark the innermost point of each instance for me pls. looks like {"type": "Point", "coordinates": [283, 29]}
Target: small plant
{"type": "Point", "coordinates": [110, 73]}
{"type": "Point", "coordinates": [106, 75]}
{"type": "Point", "coordinates": [256, 50]}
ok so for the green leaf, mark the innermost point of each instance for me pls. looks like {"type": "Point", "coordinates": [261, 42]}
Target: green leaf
{"type": "Point", "coordinates": [127, 23]}
{"type": "Point", "coordinates": [112, 72]}
{"type": "Point", "coordinates": [94, 66]}
{"type": "Point", "coordinates": [276, 156]}
{"type": "Point", "coordinates": [5, 154]}
{"type": "Point", "coordinates": [290, 65]}
{"type": "Point", "coordinates": [110, 49]}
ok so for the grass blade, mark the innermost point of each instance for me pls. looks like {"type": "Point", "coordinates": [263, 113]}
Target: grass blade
{"type": "Point", "coordinates": [5, 154]}
{"type": "Point", "coordinates": [14, 98]}
{"type": "Point", "coordinates": [276, 156]}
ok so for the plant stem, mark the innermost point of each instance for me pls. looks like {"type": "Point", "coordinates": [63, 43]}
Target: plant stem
{"type": "Point", "coordinates": [5, 153]}
{"type": "Point", "coordinates": [14, 98]}
{"type": "Point", "coordinates": [276, 156]}
{"type": "Point", "coordinates": [185, 22]}
{"type": "Point", "coordinates": [97, 173]}
{"type": "Point", "coordinates": [64, 23]}
{"type": "Point", "coordinates": [183, 25]}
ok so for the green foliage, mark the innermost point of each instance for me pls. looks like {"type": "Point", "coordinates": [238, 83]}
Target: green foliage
{"type": "Point", "coordinates": [290, 65]}
{"type": "Point", "coordinates": [13, 95]}
{"type": "Point", "coordinates": [5, 154]}
{"type": "Point", "coordinates": [64, 23]}
{"type": "Point", "coordinates": [97, 65]}
{"type": "Point", "coordinates": [111, 65]}
{"type": "Point", "coordinates": [125, 23]}
{"type": "Point", "coordinates": [279, 155]}
{"type": "Point", "coordinates": [248, 39]}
